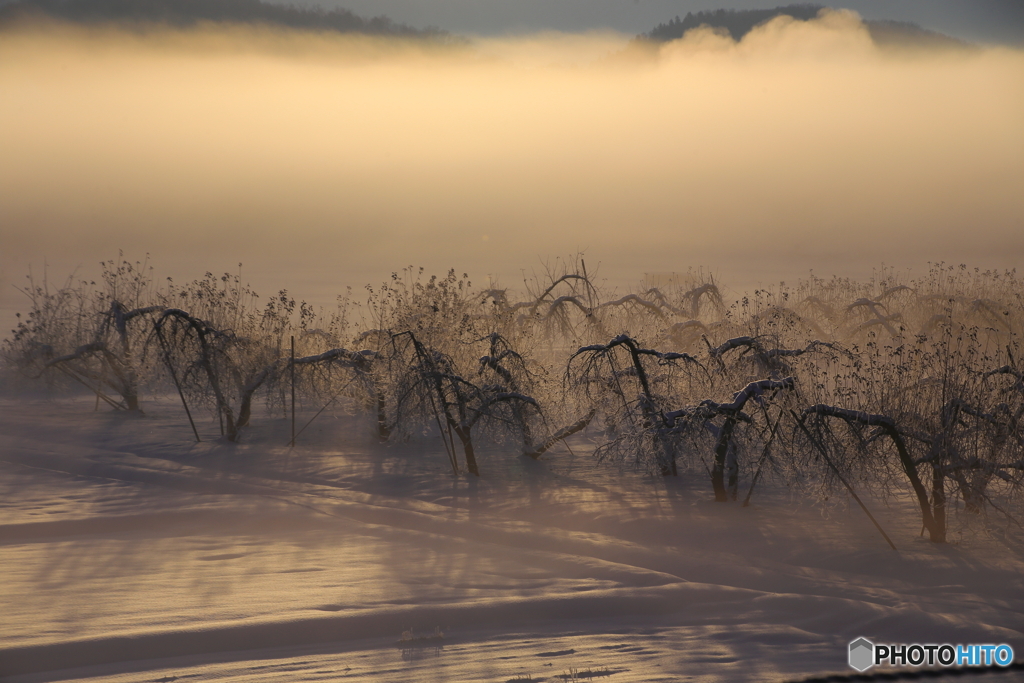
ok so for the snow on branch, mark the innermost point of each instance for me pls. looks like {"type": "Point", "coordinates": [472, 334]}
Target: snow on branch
{"type": "Point", "coordinates": [872, 306]}
{"type": "Point", "coordinates": [708, 409]}
{"type": "Point", "coordinates": [668, 356]}
{"type": "Point", "coordinates": [710, 291]}
{"type": "Point", "coordinates": [134, 313]}
{"type": "Point", "coordinates": [563, 433]}
{"type": "Point", "coordinates": [812, 346]}
{"type": "Point", "coordinates": [560, 303]}
{"type": "Point", "coordinates": [750, 343]}
{"type": "Point", "coordinates": [626, 340]}
{"type": "Point", "coordinates": [755, 391]}
{"type": "Point", "coordinates": [1008, 370]}
{"type": "Point", "coordinates": [564, 278]}
{"type": "Point", "coordinates": [355, 359]}
{"type": "Point", "coordinates": [82, 351]}
{"type": "Point", "coordinates": [633, 298]}
{"type": "Point", "coordinates": [858, 416]}
{"type": "Point", "coordinates": [884, 322]}
{"type": "Point", "coordinates": [662, 300]}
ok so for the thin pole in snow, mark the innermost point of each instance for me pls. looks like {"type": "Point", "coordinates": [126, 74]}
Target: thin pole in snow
{"type": "Point", "coordinates": [293, 390]}
{"type": "Point", "coordinates": [174, 376]}
{"type": "Point", "coordinates": [824, 454]}
{"type": "Point", "coordinates": [99, 394]}
{"type": "Point", "coordinates": [323, 409]}
{"type": "Point", "coordinates": [764, 456]}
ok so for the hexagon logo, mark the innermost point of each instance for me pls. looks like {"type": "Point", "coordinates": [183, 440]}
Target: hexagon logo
{"type": "Point", "coordinates": [862, 654]}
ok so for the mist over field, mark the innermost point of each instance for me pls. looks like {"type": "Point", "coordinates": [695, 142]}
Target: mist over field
{"type": "Point", "coordinates": [321, 160]}
{"type": "Point", "coordinates": [601, 470]}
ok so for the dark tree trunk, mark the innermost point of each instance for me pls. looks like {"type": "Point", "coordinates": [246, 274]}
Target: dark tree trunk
{"type": "Point", "coordinates": [467, 445]}
{"type": "Point", "coordinates": [383, 432]}
{"type": "Point", "coordinates": [131, 399]}
{"type": "Point", "coordinates": [938, 505]}
{"type": "Point", "coordinates": [721, 450]}
{"type": "Point", "coordinates": [732, 465]}
{"type": "Point", "coordinates": [910, 470]}
{"type": "Point", "coordinates": [244, 411]}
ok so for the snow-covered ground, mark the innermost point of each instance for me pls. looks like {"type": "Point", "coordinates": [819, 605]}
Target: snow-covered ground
{"type": "Point", "coordinates": [128, 552]}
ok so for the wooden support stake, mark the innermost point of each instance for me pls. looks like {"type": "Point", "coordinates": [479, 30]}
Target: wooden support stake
{"type": "Point", "coordinates": [760, 463]}
{"type": "Point", "coordinates": [824, 454]}
{"type": "Point", "coordinates": [292, 443]}
{"type": "Point", "coordinates": [174, 376]}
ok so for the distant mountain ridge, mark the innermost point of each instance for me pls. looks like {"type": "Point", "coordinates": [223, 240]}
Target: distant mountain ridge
{"type": "Point", "coordinates": [185, 13]}
{"type": "Point", "coordinates": [740, 22]}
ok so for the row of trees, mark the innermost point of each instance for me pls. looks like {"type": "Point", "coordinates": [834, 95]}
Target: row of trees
{"type": "Point", "coordinates": [893, 387]}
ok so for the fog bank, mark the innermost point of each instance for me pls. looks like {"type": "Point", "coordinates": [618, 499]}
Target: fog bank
{"type": "Point", "coordinates": [323, 161]}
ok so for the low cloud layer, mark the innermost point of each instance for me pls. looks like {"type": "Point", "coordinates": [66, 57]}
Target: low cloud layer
{"type": "Point", "coordinates": [322, 161]}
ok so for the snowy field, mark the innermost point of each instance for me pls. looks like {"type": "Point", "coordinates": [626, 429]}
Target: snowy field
{"type": "Point", "coordinates": [131, 553]}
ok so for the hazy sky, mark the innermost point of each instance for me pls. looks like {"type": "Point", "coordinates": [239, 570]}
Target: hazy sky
{"type": "Point", "coordinates": [322, 162]}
